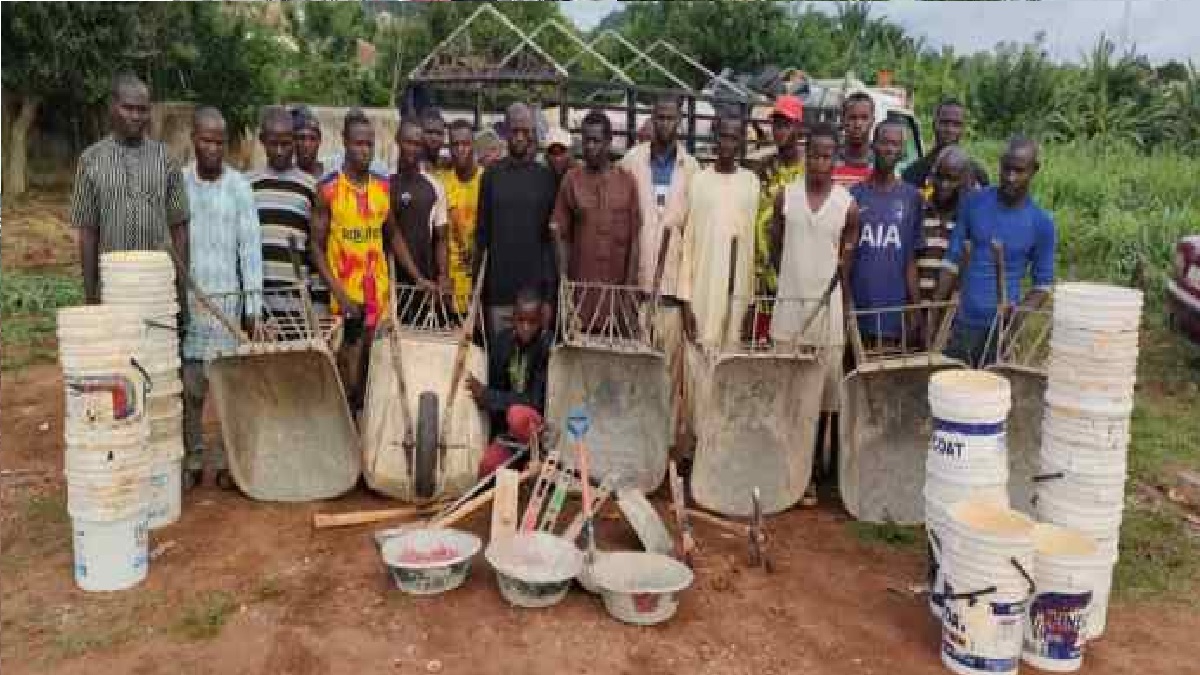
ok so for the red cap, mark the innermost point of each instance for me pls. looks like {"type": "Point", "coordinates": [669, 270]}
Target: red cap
{"type": "Point", "coordinates": [790, 107]}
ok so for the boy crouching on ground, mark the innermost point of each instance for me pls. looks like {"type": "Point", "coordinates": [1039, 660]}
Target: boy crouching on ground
{"type": "Point", "coordinates": [515, 397]}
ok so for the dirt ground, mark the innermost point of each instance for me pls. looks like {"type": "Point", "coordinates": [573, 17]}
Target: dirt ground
{"type": "Point", "coordinates": [296, 601]}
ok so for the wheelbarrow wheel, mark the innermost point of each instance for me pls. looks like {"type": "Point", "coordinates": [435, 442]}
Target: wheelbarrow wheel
{"type": "Point", "coordinates": [425, 457]}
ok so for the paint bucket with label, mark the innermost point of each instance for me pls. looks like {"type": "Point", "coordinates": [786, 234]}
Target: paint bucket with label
{"type": "Point", "coordinates": [969, 411]}
{"type": "Point", "coordinates": [988, 550]}
{"type": "Point", "coordinates": [941, 493]}
{"type": "Point", "coordinates": [1067, 565]}
{"type": "Point", "coordinates": [1101, 524]}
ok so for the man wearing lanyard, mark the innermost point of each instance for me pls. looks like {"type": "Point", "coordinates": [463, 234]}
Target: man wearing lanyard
{"type": "Point", "coordinates": [663, 171]}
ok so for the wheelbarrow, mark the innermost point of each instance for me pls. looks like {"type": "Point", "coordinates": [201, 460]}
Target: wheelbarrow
{"type": "Point", "coordinates": [605, 358]}
{"type": "Point", "coordinates": [285, 423]}
{"type": "Point", "coordinates": [756, 398]}
{"type": "Point", "coordinates": [885, 422]}
{"type": "Point", "coordinates": [423, 436]}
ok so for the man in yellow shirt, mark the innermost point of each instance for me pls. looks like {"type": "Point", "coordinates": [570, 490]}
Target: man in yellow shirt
{"type": "Point", "coordinates": [351, 234]}
{"type": "Point", "coordinates": [461, 183]}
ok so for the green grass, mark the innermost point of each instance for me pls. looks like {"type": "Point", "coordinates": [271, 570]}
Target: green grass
{"type": "Point", "coordinates": [28, 302]}
{"type": "Point", "coordinates": [888, 534]}
{"type": "Point", "coordinates": [1159, 559]}
{"type": "Point", "coordinates": [205, 616]}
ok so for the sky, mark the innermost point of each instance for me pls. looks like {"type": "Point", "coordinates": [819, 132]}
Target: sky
{"type": "Point", "coordinates": [1161, 29]}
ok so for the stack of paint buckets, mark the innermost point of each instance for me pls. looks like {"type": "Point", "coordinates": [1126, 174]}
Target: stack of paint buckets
{"type": "Point", "coordinates": [967, 455]}
{"type": "Point", "coordinates": [1086, 429]}
{"type": "Point", "coordinates": [145, 282]}
{"type": "Point", "coordinates": [107, 462]}
{"type": "Point", "coordinates": [988, 550]}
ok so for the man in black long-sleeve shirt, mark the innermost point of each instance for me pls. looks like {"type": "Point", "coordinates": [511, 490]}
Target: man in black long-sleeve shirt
{"type": "Point", "coordinates": [516, 197]}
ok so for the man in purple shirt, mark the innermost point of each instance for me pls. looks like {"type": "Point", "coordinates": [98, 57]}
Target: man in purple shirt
{"type": "Point", "coordinates": [1007, 214]}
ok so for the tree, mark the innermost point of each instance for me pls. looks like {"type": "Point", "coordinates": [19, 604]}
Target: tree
{"type": "Point", "coordinates": [57, 56]}
{"type": "Point", "coordinates": [59, 60]}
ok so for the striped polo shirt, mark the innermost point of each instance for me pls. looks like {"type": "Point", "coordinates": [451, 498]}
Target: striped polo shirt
{"type": "Point", "coordinates": [130, 194]}
{"type": "Point", "coordinates": [935, 230]}
{"type": "Point", "coordinates": [285, 204]}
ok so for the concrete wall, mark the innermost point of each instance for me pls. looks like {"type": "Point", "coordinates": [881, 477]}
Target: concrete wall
{"type": "Point", "coordinates": [53, 154]}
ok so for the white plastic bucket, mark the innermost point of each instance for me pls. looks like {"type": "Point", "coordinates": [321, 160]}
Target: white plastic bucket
{"type": "Point", "coordinates": [971, 396]}
{"type": "Point", "coordinates": [167, 431]}
{"type": "Point", "coordinates": [110, 555]}
{"type": "Point", "coordinates": [1097, 306]}
{"type": "Point", "coordinates": [119, 437]}
{"type": "Point", "coordinates": [1081, 480]}
{"type": "Point", "coordinates": [104, 398]}
{"type": "Point", "coordinates": [988, 550]}
{"type": "Point", "coordinates": [101, 462]}
{"type": "Point", "coordinates": [1100, 522]}
{"type": "Point", "coordinates": [166, 492]}
{"type": "Point", "coordinates": [1083, 406]}
{"type": "Point", "coordinates": [969, 412]}
{"type": "Point", "coordinates": [84, 324]}
{"type": "Point", "coordinates": [167, 449]}
{"type": "Point", "coordinates": [1068, 568]}
{"type": "Point", "coordinates": [163, 406]}
{"type": "Point", "coordinates": [982, 635]}
{"type": "Point", "coordinates": [167, 387]}
{"type": "Point", "coordinates": [940, 494]}
{"type": "Point", "coordinates": [983, 537]}
{"type": "Point", "coordinates": [1075, 433]}
{"type": "Point", "coordinates": [1107, 346]}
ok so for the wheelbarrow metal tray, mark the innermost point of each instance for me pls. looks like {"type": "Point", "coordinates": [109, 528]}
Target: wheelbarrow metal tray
{"type": "Point", "coordinates": [755, 417]}
{"type": "Point", "coordinates": [628, 394]}
{"type": "Point", "coordinates": [427, 361]}
{"type": "Point", "coordinates": [287, 428]}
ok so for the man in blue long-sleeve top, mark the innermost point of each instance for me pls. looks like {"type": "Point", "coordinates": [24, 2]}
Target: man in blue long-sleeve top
{"type": "Point", "coordinates": [1006, 213]}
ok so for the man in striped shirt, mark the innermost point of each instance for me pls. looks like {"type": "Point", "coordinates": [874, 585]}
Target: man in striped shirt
{"type": "Point", "coordinates": [950, 178]}
{"type": "Point", "coordinates": [284, 196]}
{"type": "Point", "coordinates": [226, 259]}
{"type": "Point", "coordinates": [129, 193]}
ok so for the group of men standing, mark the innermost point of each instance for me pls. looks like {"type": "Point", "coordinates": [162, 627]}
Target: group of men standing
{"type": "Point", "coordinates": [829, 213]}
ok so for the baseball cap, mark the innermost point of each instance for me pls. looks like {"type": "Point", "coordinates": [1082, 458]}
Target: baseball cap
{"type": "Point", "coordinates": [790, 107]}
{"type": "Point", "coordinates": [558, 136]}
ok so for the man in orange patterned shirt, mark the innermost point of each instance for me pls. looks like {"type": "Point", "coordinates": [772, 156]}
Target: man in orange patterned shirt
{"type": "Point", "coordinates": [350, 226]}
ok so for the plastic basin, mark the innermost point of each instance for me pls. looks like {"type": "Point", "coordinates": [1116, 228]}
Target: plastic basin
{"type": "Point", "coordinates": [427, 561]}
{"type": "Point", "coordinates": [640, 588]}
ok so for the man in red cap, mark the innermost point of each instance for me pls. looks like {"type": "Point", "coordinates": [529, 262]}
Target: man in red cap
{"type": "Point", "coordinates": [783, 168]}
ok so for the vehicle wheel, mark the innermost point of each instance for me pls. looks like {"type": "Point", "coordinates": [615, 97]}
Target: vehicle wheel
{"type": "Point", "coordinates": [425, 455]}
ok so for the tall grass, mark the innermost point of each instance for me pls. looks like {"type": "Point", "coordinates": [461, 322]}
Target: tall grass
{"type": "Point", "coordinates": [1112, 205]}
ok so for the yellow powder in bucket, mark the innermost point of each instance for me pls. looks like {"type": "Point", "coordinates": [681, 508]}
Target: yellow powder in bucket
{"type": "Point", "coordinates": [1054, 540]}
{"type": "Point", "coordinates": [993, 519]}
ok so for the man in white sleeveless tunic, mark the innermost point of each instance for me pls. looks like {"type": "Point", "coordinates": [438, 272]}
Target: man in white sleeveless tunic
{"type": "Point", "coordinates": [814, 235]}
